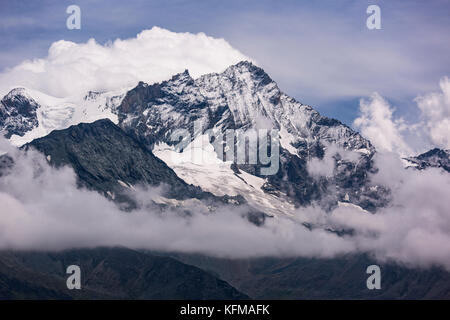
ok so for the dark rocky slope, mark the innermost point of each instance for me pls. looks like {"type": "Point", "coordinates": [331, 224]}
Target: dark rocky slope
{"type": "Point", "coordinates": [107, 160]}
{"type": "Point", "coordinates": [107, 273]}
{"type": "Point", "coordinates": [339, 278]}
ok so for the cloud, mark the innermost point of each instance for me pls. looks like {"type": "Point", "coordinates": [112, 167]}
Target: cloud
{"type": "Point", "coordinates": [154, 55]}
{"type": "Point", "coordinates": [387, 132]}
{"type": "Point", "coordinates": [435, 109]}
{"type": "Point", "coordinates": [412, 230]}
{"type": "Point", "coordinates": [325, 167]}
{"type": "Point", "coordinates": [321, 167]}
{"type": "Point", "coordinates": [376, 123]}
{"type": "Point", "coordinates": [415, 228]}
{"type": "Point", "coordinates": [42, 209]}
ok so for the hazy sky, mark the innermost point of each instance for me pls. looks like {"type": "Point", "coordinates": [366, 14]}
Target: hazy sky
{"type": "Point", "coordinates": [320, 52]}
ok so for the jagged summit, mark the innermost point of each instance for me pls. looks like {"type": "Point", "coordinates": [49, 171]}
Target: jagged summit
{"type": "Point", "coordinates": [19, 91]}
{"type": "Point", "coordinates": [245, 97]}
{"type": "Point", "coordinates": [258, 74]}
{"type": "Point", "coordinates": [17, 97]}
{"type": "Point", "coordinates": [440, 153]}
{"type": "Point", "coordinates": [241, 97]}
{"type": "Point", "coordinates": [18, 113]}
{"type": "Point", "coordinates": [434, 158]}
{"type": "Point", "coordinates": [246, 65]}
{"type": "Point", "coordinates": [182, 75]}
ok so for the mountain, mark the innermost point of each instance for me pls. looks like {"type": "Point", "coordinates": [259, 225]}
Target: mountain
{"type": "Point", "coordinates": [342, 277]}
{"type": "Point", "coordinates": [245, 97]}
{"type": "Point", "coordinates": [107, 273]}
{"type": "Point", "coordinates": [434, 158]}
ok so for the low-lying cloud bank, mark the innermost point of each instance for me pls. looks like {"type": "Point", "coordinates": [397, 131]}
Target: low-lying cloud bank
{"type": "Point", "coordinates": [42, 209]}
{"type": "Point", "coordinates": [415, 228]}
{"type": "Point", "coordinates": [154, 55]}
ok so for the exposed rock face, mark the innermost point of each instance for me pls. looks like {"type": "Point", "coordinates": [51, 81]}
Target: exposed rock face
{"type": "Point", "coordinates": [106, 159]}
{"type": "Point", "coordinates": [245, 97]}
{"type": "Point", "coordinates": [237, 98]}
{"type": "Point", "coordinates": [435, 158]}
{"type": "Point", "coordinates": [18, 113]}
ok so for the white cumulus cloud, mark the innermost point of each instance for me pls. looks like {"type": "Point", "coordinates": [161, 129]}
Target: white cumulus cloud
{"type": "Point", "coordinates": [154, 55]}
{"type": "Point", "coordinates": [378, 123]}
{"type": "Point", "coordinates": [435, 109]}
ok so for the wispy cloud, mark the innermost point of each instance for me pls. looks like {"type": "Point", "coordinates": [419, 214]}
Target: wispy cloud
{"type": "Point", "coordinates": [388, 132]}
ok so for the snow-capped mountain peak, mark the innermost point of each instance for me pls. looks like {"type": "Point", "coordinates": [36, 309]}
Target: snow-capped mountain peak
{"type": "Point", "coordinates": [242, 97]}
{"type": "Point", "coordinates": [27, 114]}
{"type": "Point", "coordinates": [245, 97]}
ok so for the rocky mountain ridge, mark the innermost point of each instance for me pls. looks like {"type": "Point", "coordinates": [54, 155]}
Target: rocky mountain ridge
{"type": "Point", "coordinates": [243, 97]}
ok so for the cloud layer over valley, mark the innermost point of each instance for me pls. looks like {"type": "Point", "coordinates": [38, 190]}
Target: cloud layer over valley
{"type": "Point", "coordinates": [42, 209]}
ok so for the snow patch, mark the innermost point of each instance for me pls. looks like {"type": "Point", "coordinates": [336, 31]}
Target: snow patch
{"type": "Point", "coordinates": [199, 165]}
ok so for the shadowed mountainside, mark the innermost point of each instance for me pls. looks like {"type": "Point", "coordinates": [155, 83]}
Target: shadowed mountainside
{"type": "Point", "coordinates": [107, 273]}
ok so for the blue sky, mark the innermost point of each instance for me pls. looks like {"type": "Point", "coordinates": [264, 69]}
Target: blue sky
{"type": "Point", "coordinates": [320, 52]}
